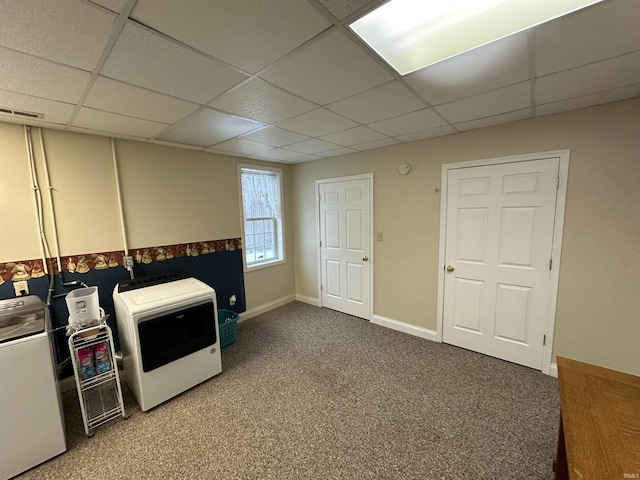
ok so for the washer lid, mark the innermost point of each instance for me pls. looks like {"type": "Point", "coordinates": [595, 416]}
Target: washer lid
{"type": "Point", "coordinates": [20, 317]}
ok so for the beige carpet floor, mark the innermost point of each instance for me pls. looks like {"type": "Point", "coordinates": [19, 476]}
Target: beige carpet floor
{"type": "Point", "coordinates": [309, 393]}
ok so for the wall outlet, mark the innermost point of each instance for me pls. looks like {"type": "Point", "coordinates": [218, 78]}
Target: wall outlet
{"type": "Point", "coordinates": [232, 300]}
{"type": "Point", "coordinates": [21, 287]}
{"type": "Point", "coordinates": [379, 236]}
{"type": "Point", "coordinates": [127, 261]}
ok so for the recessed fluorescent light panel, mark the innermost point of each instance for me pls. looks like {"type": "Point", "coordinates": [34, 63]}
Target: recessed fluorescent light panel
{"type": "Point", "coordinates": [412, 34]}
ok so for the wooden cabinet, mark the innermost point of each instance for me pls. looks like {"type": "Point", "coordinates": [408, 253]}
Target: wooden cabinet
{"type": "Point", "coordinates": [599, 436]}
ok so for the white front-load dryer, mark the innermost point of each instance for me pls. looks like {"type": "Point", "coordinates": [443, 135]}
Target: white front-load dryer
{"type": "Point", "coordinates": [169, 336]}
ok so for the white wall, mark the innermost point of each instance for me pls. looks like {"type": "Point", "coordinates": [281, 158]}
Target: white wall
{"type": "Point", "coordinates": [169, 195]}
{"type": "Point", "coordinates": [598, 300]}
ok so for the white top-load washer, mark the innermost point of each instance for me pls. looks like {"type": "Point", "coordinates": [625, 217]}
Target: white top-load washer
{"type": "Point", "coordinates": [169, 337]}
{"type": "Point", "coordinates": [31, 418]}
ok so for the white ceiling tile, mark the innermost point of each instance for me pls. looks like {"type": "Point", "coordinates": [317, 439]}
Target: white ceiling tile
{"type": "Point", "coordinates": [343, 8]}
{"type": "Point", "coordinates": [274, 136]}
{"type": "Point", "coordinates": [52, 111]}
{"type": "Point", "coordinates": [258, 100]}
{"type": "Point", "coordinates": [151, 61]}
{"type": "Point", "coordinates": [208, 127]}
{"type": "Point", "coordinates": [354, 136]}
{"type": "Point", "coordinates": [113, 5]}
{"type": "Point", "coordinates": [409, 123]}
{"type": "Point", "coordinates": [314, 145]}
{"type": "Point", "coordinates": [258, 157]}
{"type": "Point", "coordinates": [503, 100]}
{"type": "Point", "coordinates": [118, 124]}
{"type": "Point", "coordinates": [319, 73]}
{"type": "Point", "coordinates": [277, 154]}
{"type": "Point", "coordinates": [304, 158]}
{"type": "Point", "coordinates": [66, 31]}
{"type": "Point", "coordinates": [589, 100]}
{"type": "Point", "coordinates": [317, 122]}
{"type": "Point", "coordinates": [221, 152]}
{"type": "Point", "coordinates": [604, 30]}
{"type": "Point", "coordinates": [240, 147]}
{"type": "Point", "coordinates": [377, 144]}
{"type": "Point", "coordinates": [104, 133]}
{"type": "Point", "coordinates": [494, 65]}
{"type": "Point", "coordinates": [31, 121]}
{"type": "Point", "coordinates": [234, 31]}
{"type": "Point", "coordinates": [33, 76]}
{"type": "Point", "coordinates": [424, 134]}
{"type": "Point", "coordinates": [613, 73]}
{"type": "Point", "coordinates": [389, 100]}
{"type": "Point", "coordinates": [175, 145]}
{"type": "Point", "coordinates": [113, 96]}
{"type": "Point", "coordinates": [495, 120]}
{"type": "Point", "coordinates": [337, 152]}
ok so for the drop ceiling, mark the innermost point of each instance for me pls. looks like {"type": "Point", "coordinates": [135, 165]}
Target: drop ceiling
{"type": "Point", "coordinates": [286, 80]}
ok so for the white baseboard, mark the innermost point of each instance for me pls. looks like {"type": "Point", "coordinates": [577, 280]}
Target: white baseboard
{"type": "Point", "coordinates": [311, 301]}
{"type": "Point", "coordinates": [404, 327]}
{"type": "Point", "coordinates": [553, 370]}
{"type": "Point", "coordinates": [266, 307]}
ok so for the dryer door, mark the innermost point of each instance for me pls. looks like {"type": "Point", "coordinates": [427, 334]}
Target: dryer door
{"type": "Point", "coordinates": [170, 337]}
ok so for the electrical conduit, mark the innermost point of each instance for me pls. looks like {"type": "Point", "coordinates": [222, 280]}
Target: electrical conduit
{"type": "Point", "coordinates": [119, 195]}
{"type": "Point", "coordinates": [37, 198]}
{"type": "Point", "coordinates": [50, 190]}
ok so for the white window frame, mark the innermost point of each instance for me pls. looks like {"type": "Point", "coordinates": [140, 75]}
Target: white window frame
{"type": "Point", "coordinates": [279, 221]}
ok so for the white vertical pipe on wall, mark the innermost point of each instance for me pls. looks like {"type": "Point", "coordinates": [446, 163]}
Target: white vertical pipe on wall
{"type": "Point", "coordinates": [119, 194]}
{"type": "Point", "coordinates": [54, 224]}
{"type": "Point", "coordinates": [37, 197]}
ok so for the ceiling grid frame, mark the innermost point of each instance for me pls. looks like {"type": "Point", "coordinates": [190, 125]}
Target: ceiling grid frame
{"type": "Point", "coordinates": [620, 44]}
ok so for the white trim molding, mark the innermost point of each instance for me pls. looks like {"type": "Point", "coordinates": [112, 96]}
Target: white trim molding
{"type": "Point", "coordinates": [404, 327]}
{"type": "Point", "coordinates": [553, 370]}
{"type": "Point", "coordinates": [308, 300]}
{"type": "Point", "coordinates": [266, 307]}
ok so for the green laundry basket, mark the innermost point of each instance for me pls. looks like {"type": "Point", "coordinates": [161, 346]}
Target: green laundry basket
{"type": "Point", "coordinates": [228, 325]}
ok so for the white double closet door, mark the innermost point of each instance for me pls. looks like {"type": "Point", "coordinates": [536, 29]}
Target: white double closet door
{"type": "Point", "coordinates": [498, 245]}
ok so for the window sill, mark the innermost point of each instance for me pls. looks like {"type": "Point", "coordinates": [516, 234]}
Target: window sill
{"type": "Point", "coordinates": [260, 266]}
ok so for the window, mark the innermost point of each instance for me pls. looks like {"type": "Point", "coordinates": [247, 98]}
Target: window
{"type": "Point", "coordinates": [261, 194]}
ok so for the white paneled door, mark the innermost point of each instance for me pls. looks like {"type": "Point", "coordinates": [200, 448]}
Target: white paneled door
{"type": "Point", "coordinates": [345, 265]}
{"type": "Point", "coordinates": [499, 237]}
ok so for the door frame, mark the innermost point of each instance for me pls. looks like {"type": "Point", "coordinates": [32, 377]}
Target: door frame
{"type": "Point", "coordinates": [363, 176]}
{"type": "Point", "coordinates": [558, 227]}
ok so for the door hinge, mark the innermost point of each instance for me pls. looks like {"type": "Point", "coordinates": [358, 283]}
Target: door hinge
{"type": "Point", "coordinates": [544, 340]}
{"type": "Point", "coordinates": [550, 264]}
{"type": "Point", "coordinates": [320, 287]}
{"type": "Point", "coordinates": [558, 183]}
{"type": "Point", "coordinates": [320, 243]}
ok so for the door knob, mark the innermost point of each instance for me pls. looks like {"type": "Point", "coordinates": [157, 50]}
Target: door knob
{"type": "Point", "coordinates": [365, 259]}
{"type": "Point", "coordinates": [450, 269]}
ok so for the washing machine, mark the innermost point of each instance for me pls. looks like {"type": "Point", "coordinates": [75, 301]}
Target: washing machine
{"type": "Point", "coordinates": [31, 416]}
